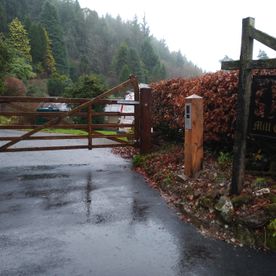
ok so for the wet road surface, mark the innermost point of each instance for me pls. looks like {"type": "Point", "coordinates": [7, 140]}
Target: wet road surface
{"type": "Point", "coordinates": [86, 213]}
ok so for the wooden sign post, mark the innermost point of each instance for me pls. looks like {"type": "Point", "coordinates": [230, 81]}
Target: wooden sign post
{"type": "Point", "coordinates": [193, 147]}
{"type": "Point", "coordinates": [245, 65]}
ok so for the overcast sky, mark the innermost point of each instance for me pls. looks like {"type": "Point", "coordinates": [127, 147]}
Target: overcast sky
{"type": "Point", "coordinates": [203, 30]}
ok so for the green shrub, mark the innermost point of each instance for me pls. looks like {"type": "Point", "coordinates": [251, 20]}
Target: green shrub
{"type": "Point", "coordinates": [271, 237]}
{"type": "Point", "coordinates": [224, 158]}
{"type": "Point", "coordinates": [58, 84]}
{"type": "Point", "coordinates": [272, 227]}
{"type": "Point", "coordinates": [138, 160]}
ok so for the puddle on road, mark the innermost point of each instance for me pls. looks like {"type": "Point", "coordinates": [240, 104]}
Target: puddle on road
{"type": "Point", "coordinates": [198, 252]}
{"type": "Point", "coordinates": [56, 204]}
{"type": "Point", "coordinates": [27, 177]}
{"type": "Point", "coordinates": [100, 218]}
{"type": "Point", "coordinates": [48, 191]}
{"type": "Point", "coordinates": [193, 255]}
{"type": "Point", "coordinates": [139, 211]}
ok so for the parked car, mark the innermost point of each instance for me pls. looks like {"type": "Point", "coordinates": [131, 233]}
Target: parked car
{"type": "Point", "coordinates": [50, 107]}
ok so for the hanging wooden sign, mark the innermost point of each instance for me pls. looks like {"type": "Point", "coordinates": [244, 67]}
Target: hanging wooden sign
{"type": "Point", "coordinates": [262, 118]}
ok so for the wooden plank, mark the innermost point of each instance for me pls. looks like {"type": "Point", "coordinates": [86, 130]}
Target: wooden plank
{"type": "Point", "coordinates": [125, 135]}
{"type": "Point", "coordinates": [64, 147]}
{"type": "Point", "coordinates": [31, 114]}
{"type": "Point", "coordinates": [99, 126]}
{"type": "Point", "coordinates": [52, 137]}
{"type": "Point", "coordinates": [262, 37]}
{"type": "Point", "coordinates": [230, 65]}
{"type": "Point", "coordinates": [116, 101]}
{"type": "Point", "coordinates": [243, 105]}
{"type": "Point", "coordinates": [54, 114]}
{"type": "Point", "coordinates": [26, 127]}
{"type": "Point", "coordinates": [13, 99]}
{"type": "Point", "coordinates": [128, 102]}
{"type": "Point", "coordinates": [69, 113]}
{"type": "Point", "coordinates": [68, 126]}
{"type": "Point", "coordinates": [262, 64]}
{"type": "Point", "coordinates": [112, 145]}
{"type": "Point", "coordinates": [111, 114]}
{"type": "Point", "coordinates": [70, 137]}
{"type": "Point", "coordinates": [253, 64]}
{"type": "Point", "coordinates": [44, 148]}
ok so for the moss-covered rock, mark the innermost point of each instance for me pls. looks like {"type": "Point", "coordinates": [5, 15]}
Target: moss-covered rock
{"type": "Point", "coordinates": [255, 220]}
{"type": "Point", "coordinates": [225, 209]}
{"type": "Point", "coordinates": [239, 200]}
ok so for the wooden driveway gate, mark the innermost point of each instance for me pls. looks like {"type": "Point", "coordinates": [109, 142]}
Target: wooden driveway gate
{"type": "Point", "coordinates": [14, 107]}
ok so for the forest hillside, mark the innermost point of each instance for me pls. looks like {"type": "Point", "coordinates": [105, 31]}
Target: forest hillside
{"type": "Point", "coordinates": [57, 42]}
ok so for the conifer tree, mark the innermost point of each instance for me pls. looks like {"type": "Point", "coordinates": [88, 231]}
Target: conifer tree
{"type": "Point", "coordinates": [148, 56]}
{"type": "Point", "coordinates": [121, 58]}
{"type": "Point", "coordinates": [135, 65]}
{"type": "Point", "coordinates": [124, 74]}
{"type": "Point", "coordinates": [49, 61]}
{"type": "Point", "coordinates": [18, 39]}
{"type": "Point", "coordinates": [50, 21]}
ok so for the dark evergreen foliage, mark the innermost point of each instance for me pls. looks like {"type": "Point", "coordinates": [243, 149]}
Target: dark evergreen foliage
{"type": "Point", "coordinates": [38, 43]}
{"type": "Point", "coordinates": [49, 19]}
{"type": "Point", "coordinates": [84, 43]}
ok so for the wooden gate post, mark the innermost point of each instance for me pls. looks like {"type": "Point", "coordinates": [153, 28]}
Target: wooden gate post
{"type": "Point", "coordinates": [193, 146]}
{"type": "Point", "coordinates": [89, 124]}
{"type": "Point", "coordinates": [243, 106]}
{"type": "Point", "coordinates": [145, 119]}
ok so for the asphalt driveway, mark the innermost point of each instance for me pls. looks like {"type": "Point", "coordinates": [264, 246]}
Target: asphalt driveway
{"type": "Point", "coordinates": [87, 213]}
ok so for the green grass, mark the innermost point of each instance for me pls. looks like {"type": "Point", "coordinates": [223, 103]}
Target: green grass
{"type": "Point", "coordinates": [81, 132]}
{"type": "Point", "coordinates": [6, 120]}
{"type": "Point", "coordinates": [107, 132]}
{"type": "Point", "coordinates": [111, 132]}
{"type": "Point", "coordinates": [65, 131]}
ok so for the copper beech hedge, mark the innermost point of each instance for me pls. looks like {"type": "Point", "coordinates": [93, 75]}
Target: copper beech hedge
{"type": "Point", "coordinates": [219, 91]}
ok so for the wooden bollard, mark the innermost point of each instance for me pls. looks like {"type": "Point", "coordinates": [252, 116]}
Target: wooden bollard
{"type": "Point", "coordinates": [193, 146]}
